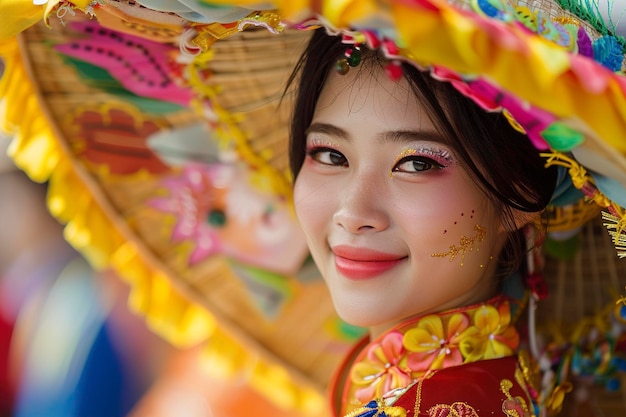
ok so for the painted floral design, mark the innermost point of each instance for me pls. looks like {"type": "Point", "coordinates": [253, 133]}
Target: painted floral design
{"type": "Point", "coordinates": [192, 197]}
{"type": "Point", "coordinates": [434, 343]}
{"type": "Point", "coordinates": [218, 211]}
{"type": "Point", "coordinates": [382, 370]}
{"type": "Point", "coordinates": [491, 335]}
{"type": "Point", "coordinates": [112, 139]}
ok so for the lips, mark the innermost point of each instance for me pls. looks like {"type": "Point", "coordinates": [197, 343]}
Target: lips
{"type": "Point", "coordinates": [360, 263]}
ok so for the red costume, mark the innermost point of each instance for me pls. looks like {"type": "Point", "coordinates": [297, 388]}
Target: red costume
{"type": "Point", "coordinates": [457, 363]}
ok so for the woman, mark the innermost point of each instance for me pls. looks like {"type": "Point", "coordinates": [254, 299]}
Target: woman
{"type": "Point", "coordinates": [420, 236]}
{"type": "Point", "coordinates": [414, 203]}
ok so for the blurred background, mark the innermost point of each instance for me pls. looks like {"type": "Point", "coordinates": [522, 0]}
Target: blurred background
{"type": "Point", "coordinates": [70, 346]}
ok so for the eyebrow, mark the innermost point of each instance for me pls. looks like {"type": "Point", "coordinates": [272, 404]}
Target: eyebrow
{"type": "Point", "coordinates": [395, 136]}
{"type": "Point", "coordinates": [405, 136]}
{"type": "Point", "coordinates": [327, 129]}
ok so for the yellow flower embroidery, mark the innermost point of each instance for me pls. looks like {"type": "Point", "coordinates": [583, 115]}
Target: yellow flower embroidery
{"type": "Point", "coordinates": [434, 343]}
{"type": "Point", "coordinates": [491, 335]}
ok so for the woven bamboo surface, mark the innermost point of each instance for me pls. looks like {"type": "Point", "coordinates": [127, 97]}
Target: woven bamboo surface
{"type": "Point", "coordinates": [298, 338]}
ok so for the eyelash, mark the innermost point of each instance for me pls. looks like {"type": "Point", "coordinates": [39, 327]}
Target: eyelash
{"type": "Point", "coordinates": [314, 153]}
{"type": "Point", "coordinates": [432, 164]}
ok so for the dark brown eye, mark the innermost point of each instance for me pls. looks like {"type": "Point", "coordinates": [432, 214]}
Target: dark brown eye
{"type": "Point", "coordinates": [415, 164]}
{"type": "Point", "coordinates": [328, 156]}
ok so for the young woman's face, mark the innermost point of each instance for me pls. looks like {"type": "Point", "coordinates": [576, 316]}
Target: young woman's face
{"type": "Point", "coordinates": [392, 218]}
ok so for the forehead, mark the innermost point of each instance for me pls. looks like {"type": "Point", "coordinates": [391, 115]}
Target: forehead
{"type": "Point", "coordinates": [367, 95]}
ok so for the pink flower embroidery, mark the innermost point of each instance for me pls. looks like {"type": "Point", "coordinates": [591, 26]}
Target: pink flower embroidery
{"type": "Point", "coordinates": [434, 344]}
{"type": "Point", "coordinates": [382, 370]}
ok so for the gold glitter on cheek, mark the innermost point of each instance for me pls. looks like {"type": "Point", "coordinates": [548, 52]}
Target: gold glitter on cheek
{"type": "Point", "coordinates": [466, 244]}
{"type": "Point", "coordinates": [483, 265]}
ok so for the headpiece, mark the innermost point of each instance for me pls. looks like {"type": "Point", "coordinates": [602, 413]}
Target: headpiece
{"type": "Point", "coordinates": [158, 128]}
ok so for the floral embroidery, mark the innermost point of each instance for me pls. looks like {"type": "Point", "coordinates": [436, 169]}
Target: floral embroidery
{"type": "Point", "coordinates": [436, 341]}
{"type": "Point", "coordinates": [378, 408]}
{"type": "Point", "coordinates": [457, 409]}
{"type": "Point", "coordinates": [381, 370]}
{"type": "Point", "coordinates": [513, 406]}
{"type": "Point", "coordinates": [434, 346]}
{"type": "Point", "coordinates": [491, 336]}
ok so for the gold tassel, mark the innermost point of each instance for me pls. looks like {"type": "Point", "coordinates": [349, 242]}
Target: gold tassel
{"type": "Point", "coordinates": [616, 225]}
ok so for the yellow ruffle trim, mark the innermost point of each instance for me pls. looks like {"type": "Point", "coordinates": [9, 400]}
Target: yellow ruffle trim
{"type": "Point", "coordinates": [535, 70]}
{"type": "Point", "coordinates": [24, 14]}
{"type": "Point", "coordinates": [73, 201]}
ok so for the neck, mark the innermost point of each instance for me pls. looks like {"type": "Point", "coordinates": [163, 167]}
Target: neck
{"type": "Point", "coordinates": [486, 293]}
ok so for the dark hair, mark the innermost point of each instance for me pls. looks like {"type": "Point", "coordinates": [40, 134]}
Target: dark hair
{"type": "Point", "coordinates": [502, 161]}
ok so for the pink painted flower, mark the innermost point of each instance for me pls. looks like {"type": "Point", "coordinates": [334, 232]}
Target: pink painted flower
{"type": "Point", "coordinates": [434, 343]}
{"type": "Point", "coordinates": [382, 370]}
{"type": "Point", "coordinates": [191, 198]}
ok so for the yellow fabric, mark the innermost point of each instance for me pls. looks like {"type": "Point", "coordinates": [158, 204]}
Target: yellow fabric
{"type": "Point", "coordinates": [23, 14]}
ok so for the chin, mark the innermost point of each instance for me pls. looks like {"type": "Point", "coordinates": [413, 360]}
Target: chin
{"type": "Point", "coordinates": [362, 317]}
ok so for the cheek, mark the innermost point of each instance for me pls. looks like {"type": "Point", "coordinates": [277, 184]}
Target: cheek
{"type": "Point", "coordinates": [451, 222]}
{"type": "Point", "coordinates": [471, 236]}
{"type": "Point", "coordinates": [311, 203]}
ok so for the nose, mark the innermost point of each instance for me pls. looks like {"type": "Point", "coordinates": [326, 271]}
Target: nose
{"type": "Point", "coordinates": [362, 205]}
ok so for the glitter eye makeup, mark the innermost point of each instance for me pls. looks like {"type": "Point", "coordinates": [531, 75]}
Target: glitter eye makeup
{"type": "Point", "coordinates": [441, 156]}
{"type": "Point", "coordinates": [324, 152]}
{"type": "Point", "coordinates": [317, 142]}
{"type": "Point", "coordinates": [422, 159]}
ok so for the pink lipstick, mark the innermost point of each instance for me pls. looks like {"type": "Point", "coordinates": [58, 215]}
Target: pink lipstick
{"type": "Point", "coordinates": [361, 263]}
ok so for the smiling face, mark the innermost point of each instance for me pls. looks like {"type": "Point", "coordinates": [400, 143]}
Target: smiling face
{"type": "Point", "coordinates": [394, 222]}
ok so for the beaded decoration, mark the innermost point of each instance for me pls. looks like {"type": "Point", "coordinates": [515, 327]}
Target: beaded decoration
{"type": "Point", "coordinates": [352, 58]}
